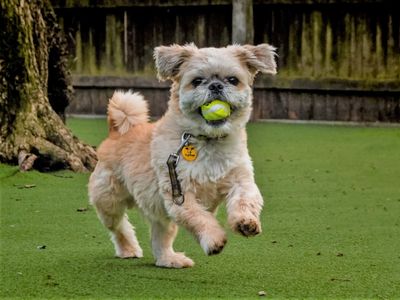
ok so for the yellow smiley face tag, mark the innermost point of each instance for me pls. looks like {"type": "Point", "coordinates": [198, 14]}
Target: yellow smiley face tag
{"type": "Point", "coordinates": [189, 153]}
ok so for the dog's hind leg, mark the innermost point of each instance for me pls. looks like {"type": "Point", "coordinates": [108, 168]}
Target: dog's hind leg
{"type": "Point", "coordinates": [110, 199]}
{"type": "Point", "coordinates": [162, 237]}
{"type": "Point", "coordinates": [125, 241]}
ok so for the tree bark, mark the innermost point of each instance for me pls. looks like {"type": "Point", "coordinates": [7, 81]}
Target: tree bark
{"type": "Point", "coordinates": [31, 132]}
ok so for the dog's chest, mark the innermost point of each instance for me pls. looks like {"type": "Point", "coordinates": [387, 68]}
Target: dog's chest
{"type": "Point", "coordinates": [213, 162]}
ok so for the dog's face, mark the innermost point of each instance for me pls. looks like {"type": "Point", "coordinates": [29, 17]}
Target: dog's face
{"type": "Point", "coordinates": [203, 75]}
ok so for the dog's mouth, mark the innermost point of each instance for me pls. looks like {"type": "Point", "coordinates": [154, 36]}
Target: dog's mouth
{"type": "Point", "coordinates": [216, 123]}
{"type": "Point", "coordinates": [213, 118]}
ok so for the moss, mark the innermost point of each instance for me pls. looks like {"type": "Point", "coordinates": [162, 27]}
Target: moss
{"type": "Point", "coordinates": [329, 63]}
{"type": "Point", "coordinates": [78, 59]}
{"type": "Point", "coordinates": [318, 43]}
{"type": "Point", "coordinates": [91, 55]}
{"type": "Point", "coordinates": [316, 28]}
{"type": "Point", "coordinates": [306, 50]}
{"type": "Point", "coordinates": [112, 60]}
{"type": "Point", "coordinates": [380, 67]}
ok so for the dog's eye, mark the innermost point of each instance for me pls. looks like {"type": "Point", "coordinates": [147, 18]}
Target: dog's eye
{"type": "Point", "coordinates": [197, 81]}
{"type": "Point", "coordinates": [233, 80]}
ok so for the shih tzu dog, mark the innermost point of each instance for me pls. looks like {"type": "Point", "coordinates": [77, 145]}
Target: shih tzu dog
{"type": "Point", "coordinates": [178, 170]}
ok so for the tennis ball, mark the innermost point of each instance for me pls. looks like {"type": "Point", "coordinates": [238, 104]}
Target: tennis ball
{"type": "Point", "coordinates": [215, 110]}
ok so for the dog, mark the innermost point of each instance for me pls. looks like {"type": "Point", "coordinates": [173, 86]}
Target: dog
{"type": "Point", "coordinates": [141, 164]}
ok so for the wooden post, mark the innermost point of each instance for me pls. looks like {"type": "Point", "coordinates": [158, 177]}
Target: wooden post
{"type": "Point", "coordinates": [242, 22]}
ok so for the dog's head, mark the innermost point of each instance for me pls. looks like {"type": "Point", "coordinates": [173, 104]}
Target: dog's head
{"type": "Point", "coordinates": [202, 75]}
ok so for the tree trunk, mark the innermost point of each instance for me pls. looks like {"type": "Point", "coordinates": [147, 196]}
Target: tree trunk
{"type": "Point", "coordinates": [31, 132]}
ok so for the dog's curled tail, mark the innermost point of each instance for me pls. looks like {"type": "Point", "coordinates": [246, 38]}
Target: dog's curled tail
{"type": "Point", "coordinates": [126, 109]}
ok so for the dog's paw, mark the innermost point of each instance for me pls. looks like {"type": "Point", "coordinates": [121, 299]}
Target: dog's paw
{"type": "Point", "coordinates": [129, 252]}
{"type": "Point", "coordinates": [248, 227]}
{"type": "Point", "coordinates": [213, 244]}
{"type": "Point", "coordinates": [175, 260]}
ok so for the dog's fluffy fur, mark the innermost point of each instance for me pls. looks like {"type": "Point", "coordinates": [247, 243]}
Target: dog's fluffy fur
{"type": "Point", "coordinates": [132, 169]}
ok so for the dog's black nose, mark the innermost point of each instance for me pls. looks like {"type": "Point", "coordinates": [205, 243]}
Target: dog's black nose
{"type": "Point", "coordinates": [215, 87]}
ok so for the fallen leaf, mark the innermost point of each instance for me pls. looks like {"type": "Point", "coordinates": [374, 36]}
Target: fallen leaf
{"type": "Point", "coordinates": [29, 186]}
{"type": "Point", "coordinates": [339, 279]}
{"type": "Point", "coordinates": [25, 186]}
{"type": "Point", "coordinates": [82, 209]}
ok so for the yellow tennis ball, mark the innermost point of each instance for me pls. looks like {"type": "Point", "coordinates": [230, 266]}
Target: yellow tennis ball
{"type": "Point", "coordinates": [215, 110]}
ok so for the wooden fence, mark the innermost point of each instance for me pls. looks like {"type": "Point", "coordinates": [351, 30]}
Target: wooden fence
{"type": "Point", "coordinates": [338, 59]}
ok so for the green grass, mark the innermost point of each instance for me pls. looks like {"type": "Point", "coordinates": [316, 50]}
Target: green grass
{"type": "Point", "coordinates": [331, 226]}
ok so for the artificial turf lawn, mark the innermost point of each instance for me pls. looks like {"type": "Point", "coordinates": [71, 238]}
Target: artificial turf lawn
{"type": "Point", "coordinates": [331, 226]}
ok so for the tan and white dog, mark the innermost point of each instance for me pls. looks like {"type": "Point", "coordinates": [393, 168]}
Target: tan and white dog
{"type": "Point", "coordinates": [132, 169]}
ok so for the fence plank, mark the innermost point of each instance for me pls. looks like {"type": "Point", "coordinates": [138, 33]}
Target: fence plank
{"type": "Point", "coordinates": [329, 51]}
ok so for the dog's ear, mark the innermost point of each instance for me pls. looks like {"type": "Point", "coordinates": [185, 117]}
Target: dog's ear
{"type": "Point", "coordinates": [260, 58]}
{"type": "Point", "coordinates": [169, 59]}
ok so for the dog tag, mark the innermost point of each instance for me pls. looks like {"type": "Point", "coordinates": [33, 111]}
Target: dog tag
{"type": "Point", "coordinates": [189, 152]}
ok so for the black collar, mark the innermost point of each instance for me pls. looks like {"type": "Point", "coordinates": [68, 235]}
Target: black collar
{"type": "Point", "coordinates": [208, 139]}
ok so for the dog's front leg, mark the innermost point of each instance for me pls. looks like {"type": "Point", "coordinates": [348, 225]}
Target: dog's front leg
{"type": "Point", "coordinates": [244, 202]}
{"type": "Point", "coordinates": [163, 233]}
{"type": "Point", "coordinates": [200, 222]}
